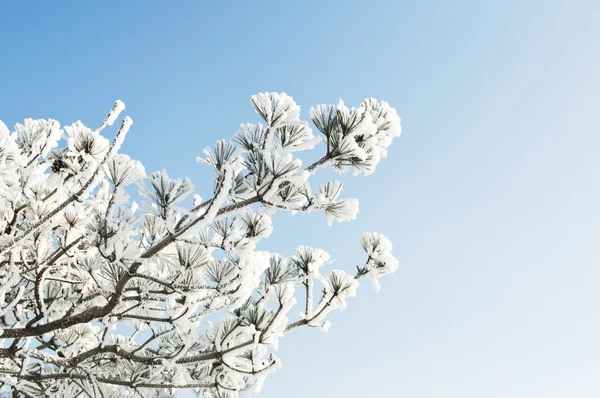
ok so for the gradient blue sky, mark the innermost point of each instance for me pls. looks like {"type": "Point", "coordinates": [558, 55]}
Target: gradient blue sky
{"type": "Point", "coordinates": [491, 196]}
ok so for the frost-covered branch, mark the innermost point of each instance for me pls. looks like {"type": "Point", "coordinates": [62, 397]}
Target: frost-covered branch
{"type": "Point", "coordinates": [101, 294]}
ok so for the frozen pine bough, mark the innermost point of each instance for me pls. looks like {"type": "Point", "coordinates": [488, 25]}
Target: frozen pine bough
{"type": "Point", "coordinates": [103, 297]}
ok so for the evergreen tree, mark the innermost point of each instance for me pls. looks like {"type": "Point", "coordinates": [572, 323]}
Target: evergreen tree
{"type": "Point", "coordinates": [102, 297]}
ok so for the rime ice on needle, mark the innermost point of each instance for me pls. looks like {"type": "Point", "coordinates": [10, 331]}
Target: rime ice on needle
{"type": "Point", "coordinates": [100, 295]}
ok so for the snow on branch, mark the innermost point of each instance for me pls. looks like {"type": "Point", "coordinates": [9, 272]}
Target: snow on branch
{"type": "Point", "coordinates": [104, 296]}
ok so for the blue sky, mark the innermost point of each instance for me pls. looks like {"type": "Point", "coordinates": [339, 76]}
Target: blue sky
{"type": "Point", "coordinates": [490, 196]}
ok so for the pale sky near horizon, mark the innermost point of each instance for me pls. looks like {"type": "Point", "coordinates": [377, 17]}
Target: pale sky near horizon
{"type": "Point", "coordinates": [491, 195]}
